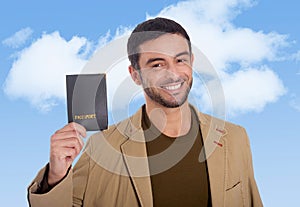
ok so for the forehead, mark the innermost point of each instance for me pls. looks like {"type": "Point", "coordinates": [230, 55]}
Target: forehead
{"type": "Point", "coordinates": [167, 44]}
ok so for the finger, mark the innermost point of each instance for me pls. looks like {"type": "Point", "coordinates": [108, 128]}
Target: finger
{"type": "Point", "coordinates": [73, 126]}
{"type": "Point", "coordinates": [67, 135]}
{"type": "Point", "coordinates": [63, 153]}
{"type": "Point", "coordinates": [81, 129]}
{"type": "Point", "coordinates": [72, 143]}
{"type": "Point", "coordinates": [69, 152]}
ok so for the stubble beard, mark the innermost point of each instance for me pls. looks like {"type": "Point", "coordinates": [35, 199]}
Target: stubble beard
{"type": "Point", "coordinates": [158, 98]}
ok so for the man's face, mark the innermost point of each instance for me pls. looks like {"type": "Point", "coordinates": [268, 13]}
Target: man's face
{"type": "Point", "coordinates": [166, 70]}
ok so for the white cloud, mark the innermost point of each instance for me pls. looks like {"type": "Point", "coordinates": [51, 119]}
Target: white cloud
{"type": "Point", "coordinates": [246, 90]}
{"type": "Point", "coordinates": [19, 38]}
{"type": "Point", "coordinates": [211, 30]}
{"type": "Point", "coordinates": [295, 102]}
{"type": "Point", "coordinates": [251, 89]}
{"type": "Point", "coordinates": [38, 74]}
{"type": "Point", "coordinates": [296, 56]}
{"type": "Point", "coordinates": [248, 87]}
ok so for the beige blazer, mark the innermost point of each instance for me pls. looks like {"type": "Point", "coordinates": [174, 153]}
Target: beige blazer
{"type": "Point", "coordinates": [113, 169]}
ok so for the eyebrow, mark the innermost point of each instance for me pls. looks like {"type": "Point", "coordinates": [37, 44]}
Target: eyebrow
{"type": "Point", "coordinates": [182, 53]}
{"type": "Point", "coordinates": [162, 59]}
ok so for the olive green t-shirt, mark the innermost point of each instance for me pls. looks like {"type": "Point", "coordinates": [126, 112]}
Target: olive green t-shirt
{"type": "Point", "coordinates": [177, 176]}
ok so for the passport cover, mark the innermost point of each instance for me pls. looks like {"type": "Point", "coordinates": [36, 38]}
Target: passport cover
{"type": "Point", "coordinates": [87, 100]}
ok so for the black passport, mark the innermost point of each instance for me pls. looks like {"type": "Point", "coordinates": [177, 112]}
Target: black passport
{"type": "Point", "coordinates": [87, 100]}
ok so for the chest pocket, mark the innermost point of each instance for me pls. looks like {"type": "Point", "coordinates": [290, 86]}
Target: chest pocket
{"type": "Point", "coordinates": [234, 195]}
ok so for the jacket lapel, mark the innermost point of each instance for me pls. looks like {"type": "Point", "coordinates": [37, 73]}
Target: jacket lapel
{"type": "Point", "coordinates": [215, 151]}
{"type": "Point", "coordinates": [135, 155]}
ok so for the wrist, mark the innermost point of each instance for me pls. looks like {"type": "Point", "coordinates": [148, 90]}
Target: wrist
{"type": "Point", "coordinates": [53, 179]}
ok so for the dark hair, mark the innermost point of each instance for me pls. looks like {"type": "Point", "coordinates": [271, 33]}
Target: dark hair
{"type": "Point", "coordinates": [149, 30]}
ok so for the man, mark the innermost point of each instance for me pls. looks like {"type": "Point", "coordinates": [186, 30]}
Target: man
{"type": "Point", "coordinates": [154, 157]}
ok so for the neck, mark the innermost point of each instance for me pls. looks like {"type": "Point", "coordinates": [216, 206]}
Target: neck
{"type": "Point", "coordinates": [173, 122]}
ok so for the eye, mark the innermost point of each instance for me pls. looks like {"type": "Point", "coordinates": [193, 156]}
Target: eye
{"type": "Point", "coordinates": [181, 60]}
{"type": "Point", "coordinates": [157, 66]}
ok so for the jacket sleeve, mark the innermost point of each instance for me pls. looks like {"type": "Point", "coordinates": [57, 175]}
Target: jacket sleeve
{"type": "Point", "coordinates": [60, 195]}
{"type": "Point", "coordinates": [69, 192]}
{"type": "Point", "coordinates": [255, 199]}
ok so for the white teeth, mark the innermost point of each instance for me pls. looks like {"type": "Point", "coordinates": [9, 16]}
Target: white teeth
{"type": "Point", "coordinates": [173, 87]}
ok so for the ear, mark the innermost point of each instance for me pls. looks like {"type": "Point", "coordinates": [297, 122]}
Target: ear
{"type": "Point", "coordinates": [135, 75]}
{"type": "Point", "coordinates": [192, 59]}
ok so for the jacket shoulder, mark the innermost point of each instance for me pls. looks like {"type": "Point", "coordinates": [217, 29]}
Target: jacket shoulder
{"type": "Point", "coordinates": [231, 132]}
{"type": "Point", "coordinates": [227, 124]}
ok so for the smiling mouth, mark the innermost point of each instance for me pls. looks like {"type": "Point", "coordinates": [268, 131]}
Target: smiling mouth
{"type": "Point", "coordinates": [172, 87]}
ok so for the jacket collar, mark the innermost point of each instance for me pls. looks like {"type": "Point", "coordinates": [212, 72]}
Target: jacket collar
{"type": "Point", "coordinates": [135, 156]}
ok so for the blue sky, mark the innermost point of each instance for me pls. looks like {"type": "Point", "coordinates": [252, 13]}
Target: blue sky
{"type": "Point", "coordinates": [253, 45]}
